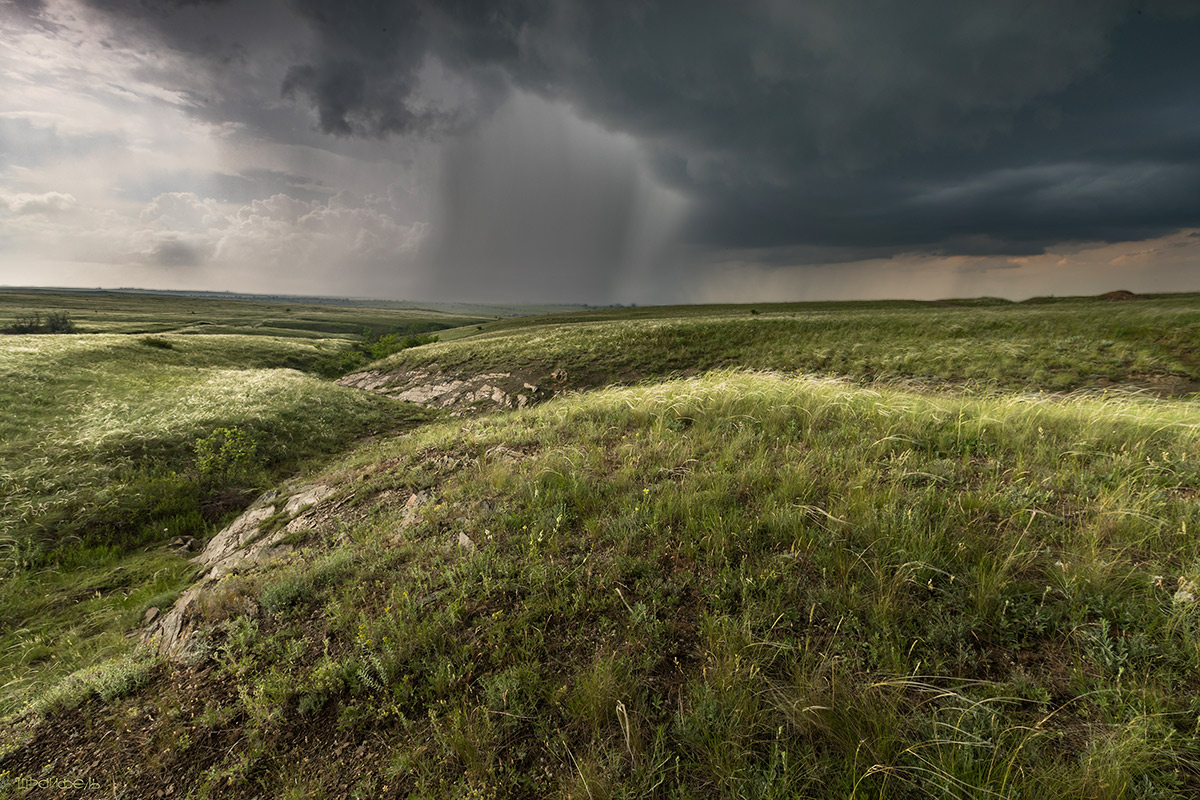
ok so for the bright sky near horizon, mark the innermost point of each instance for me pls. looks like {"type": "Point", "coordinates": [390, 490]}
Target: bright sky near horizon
{"type": "Point", "coordinates": [569, 151]}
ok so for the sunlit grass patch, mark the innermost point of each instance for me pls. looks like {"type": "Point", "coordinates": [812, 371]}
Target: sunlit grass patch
{"type": "Point", "coordinates": [1047, 347]}
{"type": "Point", "coordinates": [102, 455]}
{"type": "Point", "coordinates": [751, 584]}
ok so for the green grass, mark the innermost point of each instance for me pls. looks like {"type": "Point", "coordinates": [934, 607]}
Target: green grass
{"type": "Point", "coordinates": [98, 460]}
{"type": "Point", "coordinates": [117, 312]}
{"type": "Point", "coordinates": [739, 585]}
{"type": "Point", "coordinates": [1054, 347]}
{"type": "Point", "coordinates": [742, 583]}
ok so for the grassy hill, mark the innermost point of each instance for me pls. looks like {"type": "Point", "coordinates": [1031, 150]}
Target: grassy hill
{"type": "Point", "coordinates": [745, 580]}
{"type": "Point", "coordinates": [99, 469]}
{"type": "Point", "coordinates": [1064, 345]}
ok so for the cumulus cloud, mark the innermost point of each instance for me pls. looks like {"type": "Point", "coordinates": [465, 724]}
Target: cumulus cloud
{"type": "Point", "coordinates": [284, 233]}
{"type": "Point", "coordinates": [183, 211]}
{"type": "Point", "coordinates": [44, 203]}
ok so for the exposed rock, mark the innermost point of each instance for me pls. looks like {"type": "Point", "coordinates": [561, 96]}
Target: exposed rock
{"type": "Point", "coordinates": [238, 542]}
{"type": "Point", "coordinates": [150, 615]}
{"type": "Point", "coordinates": [465, 542]}
{"type": "Point", "coordinates": [241, 545]}
{"type": "Point", "coordinates": [171, 633]}
{"type": "Point", "coordinates": [310, 496]}
{"type": "Point", "coordinates": [432, 387]}
{"type": "Point", "coordinates": [412, 509]}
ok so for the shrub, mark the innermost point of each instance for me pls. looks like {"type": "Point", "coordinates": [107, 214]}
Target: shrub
{"type": "Point", "coordinates": [109, 681]}
{"type": "Point", "coordinates": [55, 322]}
{"type": "Point", "coordinates": [372, 348]}
{"type": "Point", "coordinates": [225, 455]}
{"type": "Point", "coordinates": [384, 346]}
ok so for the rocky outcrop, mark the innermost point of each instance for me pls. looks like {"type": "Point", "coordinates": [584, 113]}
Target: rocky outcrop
{"type": "Point", "coordinates": [246, 542]}
{"type": "Point", "coordinates": [430, 386]}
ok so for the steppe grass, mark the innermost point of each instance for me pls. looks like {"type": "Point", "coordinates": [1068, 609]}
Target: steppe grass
{"type": "Point", "coordinates": [132, 313]}
{"type": "Point", "coordinates": [100, 459]}
{"type": "Point", "coordinates": [1050, 347]}
{"type": "Point", "coordinates": [736, 585]}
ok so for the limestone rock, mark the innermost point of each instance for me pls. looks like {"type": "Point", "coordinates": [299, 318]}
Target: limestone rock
{"type": "Point", "coordinates": [236, 542]}
{"type": "Point", "coordinates": [412, 509]}
{"type": "Point", "coordinates": [242, 544]}
{"type": "Point", "coordinates": [310, 496]}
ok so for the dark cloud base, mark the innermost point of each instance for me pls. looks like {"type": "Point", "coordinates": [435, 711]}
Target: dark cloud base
{"type": "Point", "coordinates": [860, 126]}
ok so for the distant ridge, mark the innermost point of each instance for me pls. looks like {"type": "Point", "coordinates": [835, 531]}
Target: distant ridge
{"type": "Point", "coordinates": [474, 309]}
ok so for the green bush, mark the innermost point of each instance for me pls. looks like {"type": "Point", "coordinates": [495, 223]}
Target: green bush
{"type": "Point", "coordinates": [372, 348]}
{"type": "Point", "coordinates": [225, 455]}
{"type": "Point", "coordinates": [109, 681]}
{"type": "Point", "coordinates": [55, 322]}
{"type": "Point", "coordinates": [384, 346]}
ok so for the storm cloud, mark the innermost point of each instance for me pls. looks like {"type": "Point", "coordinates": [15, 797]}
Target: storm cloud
{"type": "Point", "coordinates": [820, 132]}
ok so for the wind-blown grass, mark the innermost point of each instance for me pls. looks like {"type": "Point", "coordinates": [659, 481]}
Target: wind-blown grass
{"type": "Point", "coordinates": [736, 585]}
{"type": "Point", "coordinates": [1055, 347]}
{"type": "Point", "coordinates": [98, 462]}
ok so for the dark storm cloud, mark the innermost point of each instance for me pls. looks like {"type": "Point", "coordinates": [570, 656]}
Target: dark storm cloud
{"type": "Point", "coordinates": [933, 125]}
{"type": "Point", "coordinates": [32, 9]}
{"type": "Point", "coordinates": [175, 253]}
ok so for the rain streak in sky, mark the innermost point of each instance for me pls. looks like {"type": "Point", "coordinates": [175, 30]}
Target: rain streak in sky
{"type": "Point", "coordinates": [538, 151]}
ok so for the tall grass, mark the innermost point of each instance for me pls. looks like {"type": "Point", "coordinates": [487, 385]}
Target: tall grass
{"type": "Point", "coordinates": [745, 585]}
{"type": "Point", "coordinates": [1047, 347]}
{"type": "Point", "coordinates": [99, 462]}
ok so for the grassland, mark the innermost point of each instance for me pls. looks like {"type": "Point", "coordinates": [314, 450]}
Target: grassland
{"type": "Point", "coordinates": [1051, 346]}
{"type": "Point", "coordinates": [98, 464]}
{"type": "Point", "coordinates": [747, 580]}
{"type": "Point", "coordinates": [119, 312]}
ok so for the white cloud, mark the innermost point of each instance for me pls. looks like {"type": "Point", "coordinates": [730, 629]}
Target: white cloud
{"type": "Point", "coordinates": [44, 203]}
{"type": "Point", "coordinates": [183, 211]}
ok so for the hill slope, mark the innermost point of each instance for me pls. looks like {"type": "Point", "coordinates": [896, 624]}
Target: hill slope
{"type": "Point", "coordinates": [739, 584]}
{"type": "Point", "coordinates": [1061, 346]}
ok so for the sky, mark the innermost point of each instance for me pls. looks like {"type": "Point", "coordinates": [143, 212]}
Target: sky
{"type": "Point", "coordinates": [618, 152]}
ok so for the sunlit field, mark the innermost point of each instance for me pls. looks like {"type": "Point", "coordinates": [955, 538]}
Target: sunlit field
{"type": "Point", "coordinates": [852, 551]}
{"type": "Point", "coordinates": [97, 463]}
{"type": "Point", "coordinates": [1049, 346]}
